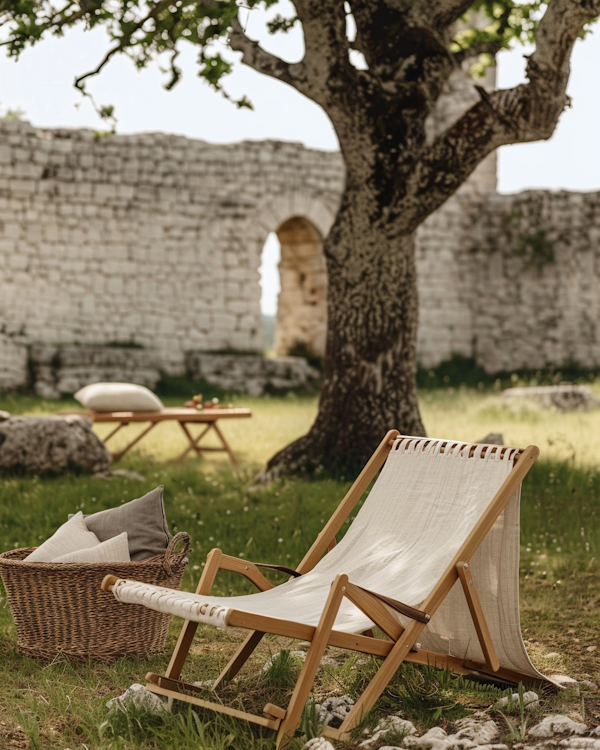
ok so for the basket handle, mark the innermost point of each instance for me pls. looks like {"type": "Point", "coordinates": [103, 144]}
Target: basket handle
{"type": "Point", "coordinates": [180, 538]}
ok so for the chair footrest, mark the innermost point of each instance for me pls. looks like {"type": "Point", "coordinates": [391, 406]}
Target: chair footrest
{"type": "Point", "coordinates": [180, 690]}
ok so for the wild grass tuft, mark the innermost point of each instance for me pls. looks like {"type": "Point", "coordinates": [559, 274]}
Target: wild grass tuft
{"type": "Point", "coordinates": [282, 670]}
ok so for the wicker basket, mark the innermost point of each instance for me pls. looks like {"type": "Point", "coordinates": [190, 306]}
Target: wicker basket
{"type": "Point", "coordinates": [60, 608]}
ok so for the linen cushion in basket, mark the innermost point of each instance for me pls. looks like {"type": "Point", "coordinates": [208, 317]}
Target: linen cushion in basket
{"type": "Point", "coordinates": [144, 521]}
{"type": "Point", "coordinates": [112, 550]}
{"type": "Point", "coordinates": [70, 537]}
{"type": "Point", "coordinates": [118, 397]}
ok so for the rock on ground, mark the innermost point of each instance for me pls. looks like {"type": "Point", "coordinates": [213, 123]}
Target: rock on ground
{"type": "Point", "coordinates": [570, 743]}
{"type": "Point", "coordinates": [318, 743]}
{"type": "Point", "coordinates": [471, 733]}
{"type": "Point", "coordinates": [137, 696]}
{"type": "Point", "coordinates": [492, 438]}
{"type": "Point", "coordinates": [531, 700]}
{"type": "Point", "coordinates": [562, 397]}
{"type": "Point", "coordinates": [51, 445]}
{"type": "Point", "coordinates": [551, 725]}
{"type": "Point", "coordinates": [389, 725]}
{"type": "Point", "coordinates": [334, 710]}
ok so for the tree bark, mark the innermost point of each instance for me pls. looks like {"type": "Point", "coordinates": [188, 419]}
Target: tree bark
{"type": "Point", "coordinates": [369, 382]}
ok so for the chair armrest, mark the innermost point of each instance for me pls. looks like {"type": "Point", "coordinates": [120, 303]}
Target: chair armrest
{"type": "Point", "coordinates": [247, 569]}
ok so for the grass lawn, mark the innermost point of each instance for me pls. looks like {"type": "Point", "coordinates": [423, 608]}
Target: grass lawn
{"type": "Point", "coordinates": [62, 704]}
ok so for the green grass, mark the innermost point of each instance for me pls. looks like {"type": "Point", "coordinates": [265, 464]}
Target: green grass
{"type": "Point", "coordinates": [62, 704]}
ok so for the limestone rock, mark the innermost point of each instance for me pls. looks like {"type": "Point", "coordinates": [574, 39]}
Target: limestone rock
{"type": "Point", "coordinates": [389, 725]}
{"type": "Point", "coordinates": [569, 743]}
{"type": "Point", "coordinates": [563, 397]}
{"type": "Point", "coordinates": [51, 445]}
{"type": "Point", "coordinates": [472, 733]}
{"type": "Point", "coordinates": [565, 681]}
{"type": "Point", "coordinates": [13, 359]}
{"type": "Point", "coordinates": [4, 415]}
{"type": "Point", "coordinates": [62, 370]}
{"type": "Point", "coordinates": [492, 438]}
{"type": "Point", "coordinates": [252, 374]}
{"type": "Point", "coordinates": [334, 710]}
{"type": "Point", "coordinates": [478, 731]}
{"type": "Point", "coordinates": [530, 700]}
{"type": "Point", "coordinates": [555, 724]}
{"type": "Point", "coordinates": [588, 685]}
{"type": "Point", "coordinates": [318, 743]}
{"type": "Point", "coordinates": [136, 696]}
{"type": "Point", "coordinates": [435, 739]}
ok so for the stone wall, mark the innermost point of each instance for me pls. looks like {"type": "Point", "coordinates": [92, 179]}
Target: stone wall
{"type": "Point", "coordinates": [151, 239]}
{"type": "Point", "coordinates": [156, 240]}
{"type": "Point", "coordinates": [532, 263]}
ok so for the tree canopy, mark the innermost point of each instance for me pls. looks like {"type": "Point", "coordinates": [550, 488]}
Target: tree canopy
{"type": "Point", "coordinates": [146, 30]}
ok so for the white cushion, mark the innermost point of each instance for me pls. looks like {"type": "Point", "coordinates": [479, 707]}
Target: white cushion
{"type": "Point", "coordinates": [70, 537]}
{"type": "Point", "coordinates": [112, 550]}
{"type": "Point", "coordinates": [118, 397]}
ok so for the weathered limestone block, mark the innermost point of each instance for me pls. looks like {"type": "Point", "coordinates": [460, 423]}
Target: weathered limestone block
{"type": "Point", "coordinates": [556, 724]}
{"type": "Point", "coordinates": [252, 374]}
{"type": "Point", "coordinates": [562, 397]}
{"type": "Point", "coordinates": [62, 370]}
{"type": "Point", "coordinates": [51, 445]}
{"type": "Point", "coordinates": [13, 363]}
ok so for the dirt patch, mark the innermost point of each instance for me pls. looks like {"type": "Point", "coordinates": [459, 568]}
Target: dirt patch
{"type": "Point", "coordinates": [12, 737]}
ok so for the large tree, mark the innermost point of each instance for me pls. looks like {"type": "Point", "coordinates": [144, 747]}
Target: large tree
{"type": "Point", "coordinates": [396, 175]}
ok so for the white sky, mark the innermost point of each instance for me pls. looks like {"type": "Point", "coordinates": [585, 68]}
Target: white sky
{"type": "Point", "coordinates": [40, 83]}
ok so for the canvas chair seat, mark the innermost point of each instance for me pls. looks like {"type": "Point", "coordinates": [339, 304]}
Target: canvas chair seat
{"type": "Point", "coordinates": [426, 505]}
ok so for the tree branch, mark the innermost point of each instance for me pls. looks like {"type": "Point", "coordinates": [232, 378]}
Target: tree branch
{"type": "Point", "coordinates": [258, 59]}
{"type": "Point", "coordinates": [327, 48]}
{"type": "Point", "coordinates": [324, 29]}
{"type": "Point", "coordinates": [528, 112]}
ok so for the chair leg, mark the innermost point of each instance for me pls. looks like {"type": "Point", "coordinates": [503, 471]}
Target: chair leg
{"type": "Point", "coordinates": [240, 657]}
{"type": "Point", "coordinates": [387, 670]}
{"type": "Point", "coordinates": [188, 629]}
{"type": "Point", "coordinates": [313, 658]}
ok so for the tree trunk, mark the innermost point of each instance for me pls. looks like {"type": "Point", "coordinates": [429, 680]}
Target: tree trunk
{"type": "Point", "coordinates": [369, 383]}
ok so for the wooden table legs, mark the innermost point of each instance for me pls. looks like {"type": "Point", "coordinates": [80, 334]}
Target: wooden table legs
{"type": "Point", "coordinates": [119, 454]}
{"type": "Point", "coordinates": [195, 443]}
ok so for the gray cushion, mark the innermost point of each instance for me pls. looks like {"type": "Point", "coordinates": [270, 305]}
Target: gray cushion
{"type": "Point", "coordinates": [144, 521]}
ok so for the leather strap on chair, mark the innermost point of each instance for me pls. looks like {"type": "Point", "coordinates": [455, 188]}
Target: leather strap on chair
{"type": "Point", "coordinates": [280, 568]}
{"type": "Point", "coordinates": [404, 609]}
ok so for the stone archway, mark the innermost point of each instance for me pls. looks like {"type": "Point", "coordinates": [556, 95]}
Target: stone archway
{"type": "Point", "coordinates": [302, 303]}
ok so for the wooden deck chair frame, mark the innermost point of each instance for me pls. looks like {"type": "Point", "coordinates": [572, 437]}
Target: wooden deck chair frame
{"type": "Point", "coordinates": [393, 652]}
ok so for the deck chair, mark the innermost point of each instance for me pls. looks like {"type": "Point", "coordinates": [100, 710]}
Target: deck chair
{"type": "Point", "coordinates": [431, 559]}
